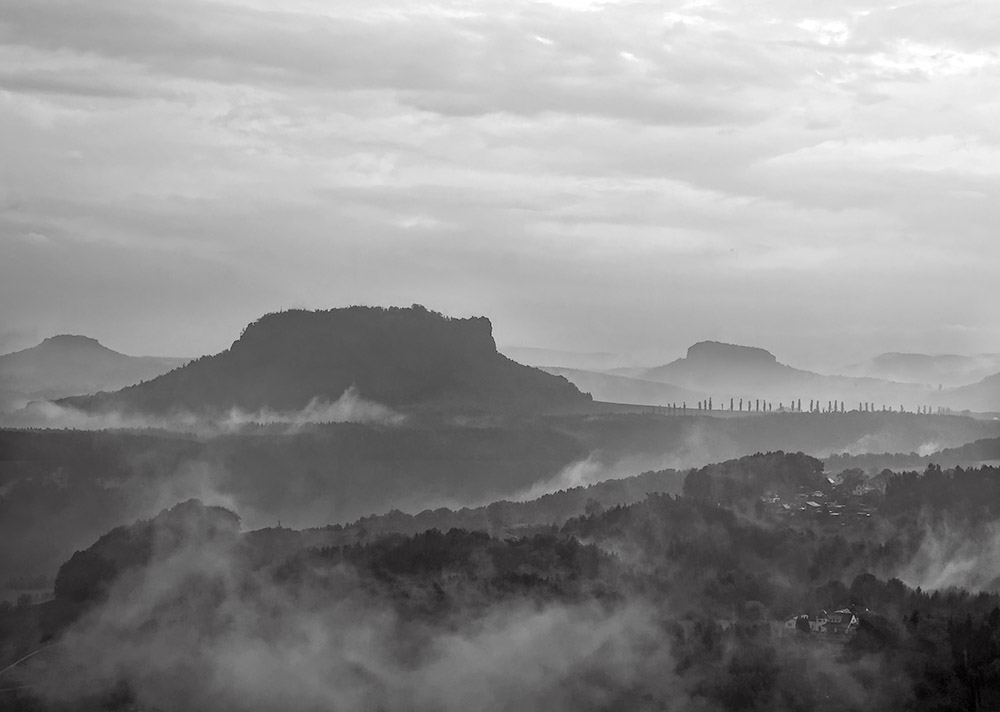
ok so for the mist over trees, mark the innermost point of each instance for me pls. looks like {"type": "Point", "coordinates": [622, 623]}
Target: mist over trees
{"type": "Point", "coordinates": [64, 487]}
{"type": "Point", "coordinates": [670, 602]}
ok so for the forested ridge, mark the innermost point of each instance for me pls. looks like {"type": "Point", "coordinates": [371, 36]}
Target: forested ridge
{"type": "Point", "coordinates": [60, 488]}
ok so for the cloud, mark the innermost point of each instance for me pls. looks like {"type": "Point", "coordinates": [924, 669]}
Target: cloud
{"type": "Point", "coordinates": [956, 555]}
{"type": "Point", "coordinates": [316, 153]}
{"type": "Point", "coordinates": [577, 474]}
{"type": "Point", "coordinates": [216, 635]}
{"type": "Point", "coordinates": [698, 446]}
{"type": "Point", "coordinates": [349, 408]}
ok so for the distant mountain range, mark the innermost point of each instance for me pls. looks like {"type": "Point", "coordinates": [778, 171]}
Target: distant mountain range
{"type": "Point", "coordinates": [68, 365]}
{"type": "Point", "coordinates": [946, 370]}
{"type": "Point", "coordinates": [401, 357]}
{"type": "Point", "coordinates": [983, 397]}
{"type": "Point", "coordinates": [728, 371]}
{"type": "Point", "coordinates": [416, 358]}
{"type": "Point", "coordinates": [721, 371]}
{"type": "Point", "coordinates": [621, 389]}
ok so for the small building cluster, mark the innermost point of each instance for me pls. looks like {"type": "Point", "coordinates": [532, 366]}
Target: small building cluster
{"type": "Point", "coordinates": [835, 501]}
{"type": "Point", "coordinates": [841, 622]}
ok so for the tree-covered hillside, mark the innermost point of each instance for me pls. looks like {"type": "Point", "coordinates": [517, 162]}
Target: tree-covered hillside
{"type": "Point", "coordinates": [667, 603]}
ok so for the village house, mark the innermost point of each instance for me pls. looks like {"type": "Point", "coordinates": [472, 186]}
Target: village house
{"type": "Point", "coordinates": [842, 622]}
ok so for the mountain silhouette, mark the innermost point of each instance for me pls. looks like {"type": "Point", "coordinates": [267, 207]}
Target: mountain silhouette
{"type": "Point", "coordinates": [401, 357]}
{"type": "Point", "coordinates": [731, 371]}
{"type": "Point", "coordinates": [948, 370]}
{"type": "Point", "coordinates": [68, 365]}
{"type": "Point", "coordinates": [710, 365]}
{"type": "Point", "coordinates": [188, 524]}
{"type": "Point", "coordinates": [983, 396]}
{"type": "Point", "coordinates": [621, 389]}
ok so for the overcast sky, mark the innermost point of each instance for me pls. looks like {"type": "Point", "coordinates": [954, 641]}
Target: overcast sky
{"type": "Point", "coordinates": [818, 177]}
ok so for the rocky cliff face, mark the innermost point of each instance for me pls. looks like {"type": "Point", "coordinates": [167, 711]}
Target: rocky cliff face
{"type": "Point", "coordinates": [716, 353]}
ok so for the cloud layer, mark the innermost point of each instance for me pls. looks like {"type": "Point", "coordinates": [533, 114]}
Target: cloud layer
{"type": "Point", "coordinates": [178, 168]}
{"type": "Point", "coordinates": [217, 637]}
{"type": "Point", "coordinates": [351, 407]}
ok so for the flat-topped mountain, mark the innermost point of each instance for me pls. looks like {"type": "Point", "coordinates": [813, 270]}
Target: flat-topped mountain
{"type": "Point", "coordinates": [709, 361]}
{"type": "Point", "coordinates": [401, 357]}
{"type": "Point", "coordinates": [727, 371]}
{"type": "Point", "coordinates": [710, 365]}
{"type": "Point", "coordinates": [68, 365]}
{"type": "Point", "coordinates": [716, 352]}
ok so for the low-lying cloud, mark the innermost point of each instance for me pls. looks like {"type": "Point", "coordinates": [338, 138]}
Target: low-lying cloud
{"type": "Point", "coordinates": [956, 556]}
{"type": "Point", "coordinates": [351, 407]}
{"type": "Point", "coordinates": [214, 636]}
{"type": "Point", "coordinates": [700, 445]}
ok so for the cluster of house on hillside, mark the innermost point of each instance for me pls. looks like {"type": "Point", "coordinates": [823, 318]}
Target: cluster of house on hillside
{"type": "Point", "coordinates": [819, 503]}
{"type": "Point", "coordinates": [837, 499]}
{"type": "Point", "coordinates": [841, 622]}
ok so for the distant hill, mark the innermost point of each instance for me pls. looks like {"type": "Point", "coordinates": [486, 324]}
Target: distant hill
{"type": "Point", "coordinates": [948, 370]}
{"type": "Point", "coordinates": [401, 357]}
{"type": "Point", "coordinates": [68, 365]}
{"type": "Point", "coordinates": [621, 389]}
{"type": "Point", "coordinates": [86, 574]}
{"type": "Point", "coordinates": [983, 397]}
{"type": "Point", "coordinates": [727, 371]}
